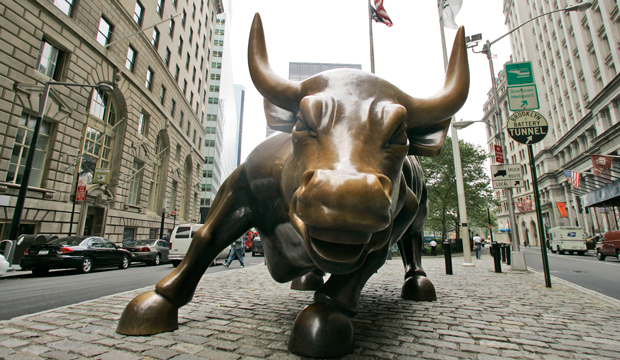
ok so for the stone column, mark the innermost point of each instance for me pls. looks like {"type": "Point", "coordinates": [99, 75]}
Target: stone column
{"type": "Point", "coordinates": [571, 215]}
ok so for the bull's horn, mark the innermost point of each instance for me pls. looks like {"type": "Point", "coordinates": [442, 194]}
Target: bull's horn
{"type": "Point", "coordinates": [278, 91]}
{"type": "Point", "coordinates": [449, 100]}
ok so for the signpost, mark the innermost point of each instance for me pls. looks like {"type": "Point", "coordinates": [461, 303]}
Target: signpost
{"type": "Point", "coordinates": [530, 127]}
{"type": "Point", "coordinates": [520, 86]}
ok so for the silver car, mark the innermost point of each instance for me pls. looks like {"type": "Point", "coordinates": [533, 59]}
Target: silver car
{"type": "Point", "coordinates": [152, 252]}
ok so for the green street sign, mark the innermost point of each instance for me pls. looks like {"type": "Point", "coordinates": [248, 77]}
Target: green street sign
{"type": "Point", "coordinates": [519, 73]}
{"type": "Point", "coordinates": [523, 97]}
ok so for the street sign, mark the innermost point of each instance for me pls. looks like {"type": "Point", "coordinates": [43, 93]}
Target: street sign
{"type": "Point", "coordinates": [523, 97]}
{"type": "Point", "coordinates": [519, 73]}
{"type": "Point", "coordinates": [527, 127]}
{"type": "Point", "coordinates": [506, 172]}
{"type": "Point", "coordinates": [173, 212]}
{"type": "Point", "coordinates": [80, 193]}
{"type": "Point", "coordinates": [506, 184]}
{"type": "Point", "coordinates": [499, 154]}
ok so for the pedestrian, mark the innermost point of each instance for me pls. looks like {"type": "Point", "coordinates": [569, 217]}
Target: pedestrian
{"type": "Point", "coordinates": [433, 245]}
{"type": "Point", "coordinates": [235, 251]}
{"type": "Point", "coordinates": [477, 245]}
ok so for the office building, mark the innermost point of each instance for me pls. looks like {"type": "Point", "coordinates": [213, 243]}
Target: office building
{"type": "Point", "coordinates": [137, 150]}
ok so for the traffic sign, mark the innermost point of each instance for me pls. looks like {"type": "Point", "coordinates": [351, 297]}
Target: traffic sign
{"type": "Point", "coordinates": [527, 127]}
{"type": "Point", "coordinates": [506, 172]}
{"type": "Point", "coordinates": [519, 73]}
{"type": "Point", "coordinates": [505, 184]}
{"type": "Point", "coordinates": [499, 154]}
{"type": "Point", "coordinates": [523, 97]}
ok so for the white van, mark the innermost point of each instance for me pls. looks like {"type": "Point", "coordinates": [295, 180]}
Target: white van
{"type": "Point", "coordinates": [181, 238]}
{"type": "Point", "coordinates": [571, 239]}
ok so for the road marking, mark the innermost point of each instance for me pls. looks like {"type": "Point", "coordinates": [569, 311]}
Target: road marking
{"type": "Point", "coordinates": [617, 263]}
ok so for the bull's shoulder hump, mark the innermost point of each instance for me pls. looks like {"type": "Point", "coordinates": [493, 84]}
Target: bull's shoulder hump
{"type": "Point", "coordinates": [267, 159]}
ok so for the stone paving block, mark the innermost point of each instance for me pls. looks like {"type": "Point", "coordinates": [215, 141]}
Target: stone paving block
{"type": "Point", "coordinates": [35, 349]}
{"type": "Point", "coordinates": [135, 347]}
{"type": "Point", "coordinates": [161, 353]}
{"type": "Point", "coordinates": [187, 348]}
{"type": "Point", "coordinates": [84, 349]}
{"type": "Point", "coordinates": [13, 343]}
{"type": "Point", "coordinates": [59, 355]}
{"type": "Point", "coordinates": [22, 356]}
{"type": "Point", "coordinates": [117, 355]}
{"type": "Point", "coordinates": [254, 351]}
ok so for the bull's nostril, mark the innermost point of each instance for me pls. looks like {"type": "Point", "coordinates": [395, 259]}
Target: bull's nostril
{"type": "Point", "coordinates": [306, 177]}
{"type": "Point", "coordinates": [386, 184]}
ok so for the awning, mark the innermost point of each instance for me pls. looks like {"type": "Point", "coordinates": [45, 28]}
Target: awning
{"type": "Point", "coordinates": [607, 195]}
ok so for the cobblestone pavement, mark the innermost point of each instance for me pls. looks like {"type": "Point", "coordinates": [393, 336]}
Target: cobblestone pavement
{"type": "Point", "coordinates": [479, 315]}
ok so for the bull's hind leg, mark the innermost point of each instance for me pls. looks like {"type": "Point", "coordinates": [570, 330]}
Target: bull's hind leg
{"type": "Point", "coordinates": [311, 281]}
{"type": "Point", "coordinates": [157, 311]}
{"type": "Point", "coordinates": [417, 286]}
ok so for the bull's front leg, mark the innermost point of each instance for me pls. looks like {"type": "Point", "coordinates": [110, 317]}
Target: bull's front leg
{"type": "Point", "coordinates": [157, 311]}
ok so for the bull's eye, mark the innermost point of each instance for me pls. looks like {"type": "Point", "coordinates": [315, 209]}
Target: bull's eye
{"type": "Point", "coordinates": [302, 127]}
{"type": "Point", "coordinates": [398, 138]}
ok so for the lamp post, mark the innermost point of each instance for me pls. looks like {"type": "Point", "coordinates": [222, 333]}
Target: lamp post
{"type": "Point", "coordinates": [519, 262]}
{"type": "Point", "coordinates": [21, 198]}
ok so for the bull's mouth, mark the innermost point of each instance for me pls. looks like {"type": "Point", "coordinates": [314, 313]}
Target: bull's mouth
{"type": "Point", "coordinates": [336, 252]}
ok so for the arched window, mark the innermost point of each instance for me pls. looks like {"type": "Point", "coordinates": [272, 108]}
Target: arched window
{"type": "Point", "coordinates": [101, 118]}
{"type": "Point", "coordinates": [154, 188]}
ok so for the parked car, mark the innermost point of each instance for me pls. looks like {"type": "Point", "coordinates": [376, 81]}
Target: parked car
{"type": "Point", "coordinates": [257, 247]}
{"type": "Point", "coordinates": [4, 265]}
{"type": "Point", "coordinates": [152, 252]}
{"type": "Point", "coordinates": [80, 252]}
{"type": "Point", "coordinates": [180, 240]}
{"type": "Point", "coordinates": [609, 245]}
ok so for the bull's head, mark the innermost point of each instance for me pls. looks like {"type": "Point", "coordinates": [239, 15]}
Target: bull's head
{"type": "Point", "coordinates": [351, 132]}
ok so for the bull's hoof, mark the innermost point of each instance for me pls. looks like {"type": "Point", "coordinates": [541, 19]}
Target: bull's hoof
{"type": "Point", "coordinates": [418, 288]}
{"type": "Point", "coordinates": [310, 281]}
{"type": "Point", "coordinates": [321, 331]}
{"type": "Point", "coordinates": [147, 314]}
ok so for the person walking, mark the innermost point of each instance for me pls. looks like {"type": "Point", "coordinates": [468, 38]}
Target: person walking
{"type": "Point", "coordinates": [478, 245]}
{"type": "Point", "coordinates": [235, 251]}
{"type": "Point", "coordinates": [433, 245]}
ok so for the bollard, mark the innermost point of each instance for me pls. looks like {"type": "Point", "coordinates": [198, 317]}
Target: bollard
{"type": "Point", "coordinates": [497, 257]}
{"type": "Point", "coordinates": [447, 253]}
{"type": "Point", "coordinates": [503, 247]}
{"type": "Point", "coordinates": [508, 262]}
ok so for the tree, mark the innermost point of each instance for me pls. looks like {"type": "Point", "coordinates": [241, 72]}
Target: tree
{"type": "Point", "coordinates": [440, 179]}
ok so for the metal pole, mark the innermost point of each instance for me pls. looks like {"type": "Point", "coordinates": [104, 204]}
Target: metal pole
{"type": "Point", "coordinates": [21, 198]}
{"type": "Point", "coordinates": [372, 46]}
{"type": "Point", "coordinates": [460, 187]}
{"type": "Point", "coordinates": [519, 258]}
{"type": "Point", "coordinates": [541, 229]}
{"type": "Point", "coordinates": [77, 179]}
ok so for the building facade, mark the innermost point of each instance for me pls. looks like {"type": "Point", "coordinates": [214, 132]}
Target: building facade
{"type": "Point", "coordinates": [136, 150]}
{"type": "Point", "coordinates": [575, 62]}
{"type": "Point", "coordinates": [220, 148]}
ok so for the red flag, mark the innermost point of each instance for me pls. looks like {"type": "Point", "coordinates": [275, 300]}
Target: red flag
{"type": "Point", "coordinates": [379, 14]}
{"type": "Point", "coordinates": [600, 164]}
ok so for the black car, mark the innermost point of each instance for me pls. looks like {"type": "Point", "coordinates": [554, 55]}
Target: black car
{"type": "Point", "coordinates": [257, 246]}
{"type": "Point", "coordinates": [80, 252]}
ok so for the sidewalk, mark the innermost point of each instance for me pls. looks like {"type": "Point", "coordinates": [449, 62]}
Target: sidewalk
{"type": "Point", "coordinates": [479, 315]}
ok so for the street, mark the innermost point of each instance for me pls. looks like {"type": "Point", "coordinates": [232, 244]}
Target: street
{"type": "Point", "coordinates": [586, 271]}
{"type": "Point", "coordinates": [23, 294]}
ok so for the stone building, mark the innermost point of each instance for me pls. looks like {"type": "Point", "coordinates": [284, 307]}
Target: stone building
{"type": "Point", "coordinates": [138, 148]}
{"type": "Point", "coordinates": [575, 61]}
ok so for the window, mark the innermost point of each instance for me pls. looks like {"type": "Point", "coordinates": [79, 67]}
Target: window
{"type": "Point", "coordinates": [217, 54]}
{"type": "Point", "coordinates": [21, 148]}
{"type": "Point", "coordinates": [176, 73]}
{"type": "Point", "coordinates": [64, 6]}
{"type": "Point", "coordinates": [138, 13]}
{"type": "Point", "coordinates": [184, 87]}
{"type": "Point", "coordinates": [204, 40]}
{"type": "Point", "coordinates": [212, 117]}
{"type": "Point", "coordinates": [162, 94]}
{"type": "Point", "coordinates": [188, 128]}
{"type": "Point", "coordinates": [183, 18]}
{"type": "Point", "coordinates": [199, 85]}
{"type": "Point", "coordinates": [173, 195]}
{"type": "Point", "coordinates": [149, 79]}
{"type": "Point", "coordinates": [199, 27]}
{"type": "Point", "coordinates": [210, 143]}
{"type": "Point", "coordinates": [97, 149]}
{"type": "Point", "coordinates": [187, 62]}
{"type": "Point", "coordinates": [196, 51]}
{"type": "Point", "coordinates": [105, 32]}
{"type": "Point", "coordinates": [178, 153]}
{"type": "Point", "coordinates": [129, 234]}
{"type": "Point", "coordinates": [193, 11]}
{"type": "Point", "coordinates": [191, 36]}
{"type": "Point", "coordinates": [167, 57]}
{"type": "Point", "coordinates": [160, 7]}
{"type": "Point", "coordinates": [202, 5]}
{"type": "Point", "coordinates": [194, 75]}
{"type": "Point", "coordinates": [131, 58]}
{"type": "Point", "coordinates": [181, 119]}
{"type": "Point", "coordinates": [213, 100]}
{"type": "Point", "coordinates": [215, 76]}
{"type": "Point", "coordinates": [191, 97]}
{"type": "Point", "coordinates": [214, 88]}
{"type": "Point", "coordinates": [143, 123]}
{"type": "Point", "coordinates": [171, 28]}
{"type": "Point", "coordinates": [174, 3]}
{"type": "Point", "coordinates": [49, 60]}
{"type": "Point", "coordinates": [202, 62]}
{"type": "Point", "coordinates": [180, 48]}
{"type": "Point", "coordinates": [216, 65]}
{"type": "Point", "coordinates": [134, 184]}
{"type": "Point", "coordinates": [172, 106]}
{"type": "Point", "coordinates": [155, 38]}
{"type": "Point", "coordinates": [154, 185]}
{"type": "Point", "coordinates": [194, 138]}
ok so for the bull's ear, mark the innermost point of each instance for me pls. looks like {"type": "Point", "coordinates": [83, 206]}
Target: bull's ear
{"type": "Point", "coordinates": [279, 119]}
{"type": "Point", "coordinates": [428, 140]}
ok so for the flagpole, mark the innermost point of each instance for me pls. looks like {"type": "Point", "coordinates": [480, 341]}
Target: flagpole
{"type": "Point", "coordinates": [372, 47]}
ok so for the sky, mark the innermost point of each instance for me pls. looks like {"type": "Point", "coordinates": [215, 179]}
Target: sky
{"type": "Point", "coordinates": [408, 54]}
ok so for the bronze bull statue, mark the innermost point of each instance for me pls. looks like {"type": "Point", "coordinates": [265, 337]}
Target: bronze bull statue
{"type": "Point", "coordinates": [332, 194]}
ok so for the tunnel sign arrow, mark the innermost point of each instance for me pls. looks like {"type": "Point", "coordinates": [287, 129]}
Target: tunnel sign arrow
{"type": "Point", "coordinates": [527, 127]}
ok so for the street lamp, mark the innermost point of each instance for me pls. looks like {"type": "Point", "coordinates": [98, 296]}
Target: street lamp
{"type": "Point", "coordinates": [21, 198]}
{"type": "Point", "coordinates": [519, 260]}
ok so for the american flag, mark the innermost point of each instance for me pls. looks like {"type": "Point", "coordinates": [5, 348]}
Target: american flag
{"type": "Point", "coordinates": [379, 14]}
{"type": "Point", "coordinates": [573, 177]}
